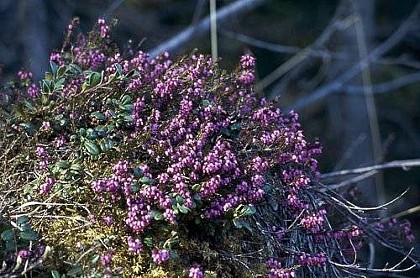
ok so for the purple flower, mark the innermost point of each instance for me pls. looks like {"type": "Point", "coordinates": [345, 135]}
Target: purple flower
{"type": "Point", "coordinates": [160, 256]}
{"type": "Point", "coordinates": [106, 259]}
{"type": "Point", "coordinates": [247, 61]}
{"type": "Point", "coordinates": [33, 91]}
{"type": "Point", "coordinates": [46, 125]}
{"type": "Point", "coordinates": [24, 75]}
{"type": "Point", "coordinates": [45, 188]}
{"type": "Point", "coordinates": [134, 245]}
{"type": "Point", "coordinates": [108, 220]}
{"type": "Point", "coordinates": [196, 271]}
{"type": "Point", "coordinates": [25, 254]}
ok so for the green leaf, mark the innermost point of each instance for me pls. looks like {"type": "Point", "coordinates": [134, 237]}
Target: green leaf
{"type": "Point", "coordinates": [28, 235]}
{"type": "Point", "coordinates": [127, 107]}
{"type": "Point", "coordinates": [146, 180]}
{"type": "Point", "coordinates": [76, 167]}
{"type": "Point", "coordinates": [59, 84]}
{"type": "Point", "coordinates": [91, 147]}
{"type": "Point", "coordinates": [7, 235]}
{"type": "Point", "coordinates": [183, 209]}
{"type": "Point", "coordinates": [62, 121]}
{"type": "Point", "coordinates": [109, 144]}
{"type": "Point", "coordinates": [236, 126]}
{"type": "Point", "coordinates": [128, 118]}
{"type": "Point", "coordinates": [130, 73]}
{"type": "Point", "coordinates": [61, 71]}
{"type": "Point", "coordinates": [25, 227]}
{"type": "Point", "coordinates": [135, 188]}
{"type": "Point", "coordinates": [138, 173]}
{"type": "Point", "coordinates": [95, 259]}
{"type": "Point", "coordinates": [98, 115]}
{"type": "Point", "coordinates": [82, 132]}
{"type": "Point", "coordinates": [44, 99]}
{"type": "Point", "coordinates": [85, 85]}
{"type": "Point", "coordinates": [170, 242]}
{"type": "Point", "coordinates": [179, 199]}
{"type": "Point", "coordinates": [28, 105]}
{"type": "Point", "coordinates": [29, 128]}
{"type": "Point", "coordinates": [22, 220]}
{"type": "Point", "coordinates": [49, 76]}
{"type": "Point", "coordinates": [118, 67]}
{"type": "Point", "coordinates": [206, 102]}
{"type": "Point", "coordinates": [197, 197]}
{"type": "Point", "coordinates": [46, 86]}
{"type": "Point", "coordinates": [91, 133]}
{"type": "Point", "coordinates": [249, 210]}
{"type": "Point", "coordinates": [156, 214]}
{"type": "Point", "coordinates": [73, 137]}
{"type": "Point", "coordinates": [125, 99]}
{"type": "Point", "coordinates": [148, 241]}
{"type": "Point", "coordinates": [226, 132]}
{"type": "Point", "coordinates": [75, 271]}
{"type": "Point", "coordinates": [196, 187]}
{"type": "Point", "coordinates": [95, 79]}
{"type": "Point", "coordinates": [62, 164]}
{"type": "Point", "coordinates": [54, 67]}
{"type": "Point", "coordinates": [240, 223]}
{"type": "Point", "coordinates": [75, 68]}
{"type": "Point", "coordinates": [55, 274]}
{"type": "Point", "coordinates": [10, 245]}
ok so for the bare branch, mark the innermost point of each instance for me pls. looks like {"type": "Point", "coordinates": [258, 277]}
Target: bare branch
{"type": "Point", "coordinates": [184, 37]}
{"type": "Point", "coordinates": [112, 8]}
{"type": "Point", "coordinates": [403, 213]}
{"type": "Point", "coordinates": [404, 164]}
{"type": "Point", "coordinates": [407, 26]}
{"type": "Point", "coordinates": [353, 180]}
{"type": "Point", "coordinates": [386, 87]}
{"type": "Point", "coordinates": [336, 23]}
{"type": "Point", "coordinates": [266, 45]}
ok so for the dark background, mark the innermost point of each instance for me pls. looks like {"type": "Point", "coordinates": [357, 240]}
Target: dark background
{"type": "Point", "coordinates": [356, 129]}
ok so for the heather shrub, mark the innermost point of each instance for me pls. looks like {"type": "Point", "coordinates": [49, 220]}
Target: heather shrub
{"type": "Point", "coordinates": [121, 164]}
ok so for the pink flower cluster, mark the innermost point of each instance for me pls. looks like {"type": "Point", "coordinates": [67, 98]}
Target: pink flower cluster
{"type": "Point", "coordinates": [196, 271]}
{"type": "Point", "coordinates": [312, 260]}
{"type": "Point", "coordinates": [275, 270]}
{"type": "Point", "coordinates": [160, 256]}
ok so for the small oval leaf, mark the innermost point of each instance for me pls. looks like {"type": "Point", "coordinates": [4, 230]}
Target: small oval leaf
{"type": "Point", "coordinates": [7, 235]}
{"type": "Point", "coordinates": [91, 148]}
{"type": "Point", "coordinates": [28, 235]}
{"type": "Point", "coordinates": [55, 274]}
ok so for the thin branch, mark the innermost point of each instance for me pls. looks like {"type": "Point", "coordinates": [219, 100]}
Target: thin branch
{"type": "Point", "coordinates": [213, 30]}
{"type": "Point", "coordinates": [267, 45]}
{"type": "Point", "coordinates": [199, 8]}
{"type": "Point", "coordinates": [386, 87]}
{"type": "Point", "coordinates": [184, 37]}
{"type": "Point", "coordinates": [407, 26]}
{"type": "Point", "coordinates": [404, 164]}
{"type": "Point", "coordinates": [403, 213]}
{"type": "Point", "coordinates": [370, 102]}
{"type": "Point", "coordinates": [353, 180]}
{"type": "Point", "coordinates": [335, 24]}
{"type": "Point", "coordinates": [319, 53]}
{"type": "Point", "coordinates": [112, 8]}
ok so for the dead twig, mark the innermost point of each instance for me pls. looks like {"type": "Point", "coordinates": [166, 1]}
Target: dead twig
{"type": "Point", "coordinates": [184, 37]}
{"type": "Point", "coordinates": [404, 164]}
{"type": "Point", "coordinates": [407, 26]}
